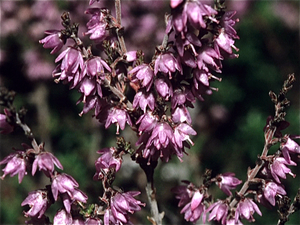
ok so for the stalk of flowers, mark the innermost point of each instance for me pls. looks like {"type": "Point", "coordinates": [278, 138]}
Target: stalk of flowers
{"type": "Point", "coordinates": [178, 74]}
{"type": "Point", "coordinates": [264, 182]}
{"type": "Point", "coordinates": [32, 158]}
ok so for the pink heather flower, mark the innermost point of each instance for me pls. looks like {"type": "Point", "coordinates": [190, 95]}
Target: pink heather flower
{"type": "Point", "coordinates": [5, 127]}
{"type": "Point", "coordinates": [201, 76]}
{"type": "Point", "coordinates": [181, 114]}
{"type": "Point", "coordinates": [227, 23]}
{"type": "Point", "coordinates": [88, 87]}
{"type": "Point", "coordinates": [208, 57]}
{"type": "Point", "coordinates": [233, 221]}
{"type": "Point", "coordinates": [164, 87]}
{"type": "Point", "coordinates": [45, 161]}
{"type": "Point", "coordinates": [91, 102]}
{"type": "Point", "coordinates": [167, 64]}
{"type": "Point", "coordinates": [142, 100]}
{"type": "Point", "coordinates": [62, 217]}
{"type": "Point", "coordinates": [289, 146]}
{"type": "Point", "coordinates": [270, 190]}
{"type": "Point", "coordinates": [64, 183]}
{"type": "Point", "coordinates": [118, 116]}
{"type": "Point", "coordinates": [175, 3]}
{"type": "Point", "coordinates": [97, 24]}
{"type": "Point", "coordinates": [192, 198]}
{"type": "Point", "coordinates": [182, 133]}
{"type": "Point", "coordinates": [16, 164]}
{"type": "Point", "coordinates": [178, 22]}
{"type": "Point", "coordinates": [71, 65]}
{"type": "Point", "coordinates": [245, 209]}
{"type": "Point", "coordinates": [219, 211]}
{"type": "Point", "coordinates": [182, 97]}
{"type": "Point", "coordinates": [147, 122]}
{"type": "Point", "coordinates": [120, 205]}
{"type": "Point", "coordinates": [37, 221]}
{"type": "Point", "coordinates": [38, 202]}
{"type": "Point", "coordinates": [108, 159]}
{"type": "Point", "coordinates": [189, 41]}
{"type": "Point", "coordinates": [95, 67]}
{"type": "Point", "coordinates": [144, 74]}
{"type": "Point", "coordinates": [93, 221]}
{"type": "Point", "coordinates": [278, 168]}
{"type": "Point", "coordinates": [225, 42]}
{"type": "Point", "coordinates": [130, 56]}
{"type": "Point", "coordinates": [161, 136]}
{"type": "Point", "coordinates": [195, 11]}
{"type": "Point", "coordinates": [53, 40]}
{"type": "Point", "coordinates": [227, 181]}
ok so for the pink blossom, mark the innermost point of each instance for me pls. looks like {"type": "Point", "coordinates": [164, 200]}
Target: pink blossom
{"type": "Point", "coordinates": [227, 181]}
{"type": "Point", "coordinates": [38, 202]}
{"type": "Point", "coordinates": [16, 164]}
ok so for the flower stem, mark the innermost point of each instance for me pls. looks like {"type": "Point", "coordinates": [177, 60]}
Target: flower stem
{"type": "Point", "coordinates": [252, 174]}
{"type": "Point", "coordinates": [156, 218]}
{"type": "Point", "coordinates": [120, 31]}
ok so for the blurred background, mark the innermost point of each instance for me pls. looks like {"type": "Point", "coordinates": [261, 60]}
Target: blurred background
{"type": "Point", "coordinates": [229, 123]}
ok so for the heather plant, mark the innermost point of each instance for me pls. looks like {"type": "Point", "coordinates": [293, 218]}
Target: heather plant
{"type": "Point", "coordinates": [152, 97]}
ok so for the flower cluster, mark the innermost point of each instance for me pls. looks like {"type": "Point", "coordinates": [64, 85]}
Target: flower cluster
{"type": "Point", "coordinates": [153, 98]}
{"type": "Point", "coordinates": [194, 200]}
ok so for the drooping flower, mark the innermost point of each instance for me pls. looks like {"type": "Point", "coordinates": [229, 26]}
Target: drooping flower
{"type": "Point", "coordinates": [120, 205]}
{"type": "Point", "coordinates": [147, 122]}
{"type": "Point", "coordinates": [219, 211]}
{"type": "Point", "coordinates": [16, 164]}
{"type": "Point", "coordinates": [181, 114]}
{"type": "Point", "coordinates": [97, 26]}
{"type": "Point", "coordinates": [54, 40]}
{"type": "Point", "coordinates": [278, 168]}
{"type": "Point", "coordinates": [37, 221]}
{"type": "Point", "coordinates": [38, 202]}
{"type": "Point", "coordinates": [164, 87]}
{"type": "Point", "coordinates": [108, 159]}
{"type": "Point", "coordinates": [93, 221]}
{"type": "Point", "coordinates": [70, 68]}
{"type": "Point", "coordinates": [119, 117]}
{"type": "Point", "coordinates": [245, 209]}
{"type": "Point", "coordinates": [95, 67]}
{"type": "Point", "coordinates": [175, 3]}
{"type": "Point", "coordinates": [192, 198]}
{"type": "Point", "coordinates": [270, 190]}
{"type": "Point", "coordinates": [45, 161]}
{"type": "Point", "coordinates": [167, 64]}
{"type": "Point", "coordinates": [190, 40]}
{"type": "Point", "coordinates": [227, 181]}
{"type": "Point", "coordinates": [143, 99]}
{"type": "Point", "coordinates": [195, 12]}
{"type": "Point", "coordinates": [182, 133]}
{"type": "Point", "coordinates": [161, 135]}
{"type": "Point", "coordinates": [208, 58]}
{"type": "Point", "coordinates": [5, 127]}
{"type": "Point", "coordinates": [62, 217]}
{"type": "Point", "coordinates": [64, 183]}
{"type": "Point", "coordinates": [289, 147]}
{"type": "Point", "coordinates": [225, 42]}
{"type": "Point", "coordinates": [144, 74]}
{"type": "Point", "coordinates": [182, 97]}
